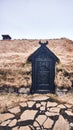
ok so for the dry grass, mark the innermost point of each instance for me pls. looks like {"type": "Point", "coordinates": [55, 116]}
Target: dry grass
{"type": "Point", "coordinates": [13, 56]}
{"type": "Point", "coordinates": [11, 100]}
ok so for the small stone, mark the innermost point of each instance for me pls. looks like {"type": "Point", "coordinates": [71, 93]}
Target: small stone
{"type": "Point", "coordinates": [48, 123]}
{"type": "Point", "coordinates": [15, 128]}
{"type": "Point", "coordinates": [51, 104]}
{"type": "Point", "coordinates": [43, 103]}
{"type": "Point", "coordinates": [42, 108]}
{"type": "Point", "coordinates": [68, 105]}
{"type": "Point", "coordinates": [55, 109]}
{"type": "Point", "coordinates": [69, 113]}
{"type": "Point", "coordinates": [15, 110]}
{"type": "Point", "coordinates": [59, 93]}
{"type": "Point", "coordinates": [28, 115]}
{"type": "Point", "coordinates": [41, 119]}
{"type": "Point", "coordinates": [35, 124]}
{"type": "Point", "coordinates": [61, 124]}
{"type": "Point", "coordinates": [64, 90]}
{"type": "Point", "coordinates": [40, 98]}
{"type": "Point", "coordinates": [48, 109]}
{"type": "Point", "coordinates": [30, 104]}
{"type": "Point", "coordinates": [61, 106]}
{"type": "Point", "coordinates": [11, 90]}
{"type": "Point", "coordinates": [12, 123]}
{"type": "Point", "coordinates": [24, 128]}
{"type": "Point", "coordinates": [23, 104]}
{"type": "Point", "coordinates": [71, 124]}
{"type": "Point", "coordinates": [22, 91]}
{"type": "Point", "coordinates": [5, 116]}
{"type": "Point", "coordinates": [5, 123]}
{"type": "Point", "coordinates": [38, 105]}
{"type": "Point", "coordinates": [51, 113]}
{"type": "Point", "coordinates": [38, 128]}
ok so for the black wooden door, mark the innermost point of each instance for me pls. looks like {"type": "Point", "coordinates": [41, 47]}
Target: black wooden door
{"type": "Point", "coordinates": [42, 75]}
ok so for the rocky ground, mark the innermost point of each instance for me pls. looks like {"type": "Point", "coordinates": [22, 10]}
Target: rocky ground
{"type": "Point", "coordinates": [36, 112]}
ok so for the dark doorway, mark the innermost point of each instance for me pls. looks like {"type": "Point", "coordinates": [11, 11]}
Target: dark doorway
{"type": "Point", "coordinates": [42, 74]}
{"type": "Point", "coordinates": [43, 70]}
